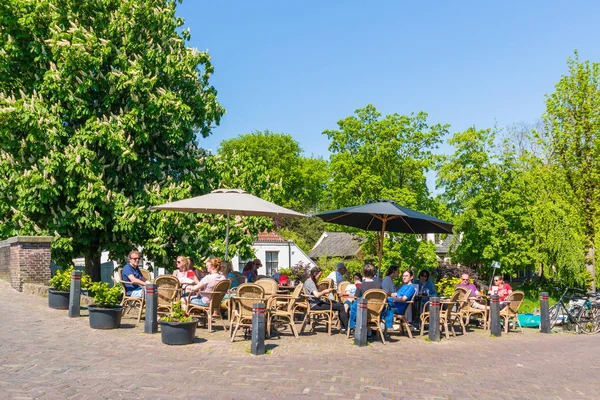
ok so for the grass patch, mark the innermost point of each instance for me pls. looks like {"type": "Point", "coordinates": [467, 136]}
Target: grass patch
{"type": "Point", "coordinates": [532, 296]}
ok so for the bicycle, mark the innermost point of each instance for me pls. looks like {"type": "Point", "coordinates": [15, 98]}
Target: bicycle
{"type": "Point", "coordinates": [582, 314]}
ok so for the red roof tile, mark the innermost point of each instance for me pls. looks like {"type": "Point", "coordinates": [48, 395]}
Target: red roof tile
{"type": "Point", "coordinates": [270, 237]}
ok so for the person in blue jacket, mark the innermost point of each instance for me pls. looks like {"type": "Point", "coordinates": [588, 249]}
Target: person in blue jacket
{"type": "Point", "coordinates": [405, 293]}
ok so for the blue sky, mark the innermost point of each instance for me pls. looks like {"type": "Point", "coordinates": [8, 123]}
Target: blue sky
{"type": "Point", "coordinates": [300, 66]}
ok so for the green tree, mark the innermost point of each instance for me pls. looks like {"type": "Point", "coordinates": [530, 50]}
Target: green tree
{"type": "Point", "coordinates": [484, 188]}
{"type": "Point", "coordinates": [573, 124]}
{"type": "Point", "coordinates": [100, 105]}
{"type": "Point", "coordinates": [293, 181]}
{"type": "Point", "coordinates": [375, 157]}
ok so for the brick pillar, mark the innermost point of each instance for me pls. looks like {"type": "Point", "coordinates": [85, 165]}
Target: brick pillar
{"type": "Point", "coordinates": [25, 259]}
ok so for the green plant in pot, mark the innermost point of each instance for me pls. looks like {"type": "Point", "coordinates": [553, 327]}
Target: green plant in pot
{"type": "Point", "coordinates": [106, 311]}
{"type": "Point", "coordinates": [178, 327]}
{"type": "Point", "coordinates": [60, 287]}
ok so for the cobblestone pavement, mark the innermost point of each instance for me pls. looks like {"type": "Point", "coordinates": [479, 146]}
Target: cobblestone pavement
{"type": "Point", "coordinates": [45, 354]}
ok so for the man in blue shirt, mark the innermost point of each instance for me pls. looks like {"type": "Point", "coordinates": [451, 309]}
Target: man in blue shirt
{"type": "Point", "coordinates": [405, 293]}
{"type": "Point", "coordinates": [132, 273]}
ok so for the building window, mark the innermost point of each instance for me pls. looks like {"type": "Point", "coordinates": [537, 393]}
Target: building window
{"type": "Point", "coordinates": [272, 262]}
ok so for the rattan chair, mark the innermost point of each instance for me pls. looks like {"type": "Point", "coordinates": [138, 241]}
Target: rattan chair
{"type": "Point", "coordinates": [284, 306]}
{"type": "Point", "coordinates": [129, 302]}
{"type": "Point", "coordinates": [376, 302]}
{"type": "Point", "coordinates": [402, 319]}
{"type": "Point", "coordinates": [462, 304]}
{"type": "Point", "coordinates": [326, 283]}
{"type": "Point", "coordinates": [445, 314]}
{"type": "Point", "coordinates": [214, 306]}
{"type": "Point", "coordinates": [470, 311]}
{"type": "Point", "coordinates": [168, 290]}
{"type": "Point", "coordinates": [269, 285]}
{"type": "Point", "coordinates": [511, 311]}
{"type": "Point", "coordinates": [146, 274]}
{"type": "Point", "coordinates": [316, 316]}
{"type": "Point", "coordinates": [247, 295]}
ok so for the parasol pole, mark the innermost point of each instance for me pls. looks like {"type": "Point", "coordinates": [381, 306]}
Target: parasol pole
{"type": "Point", "coordinates": [227, 238]}
{"type": "Point", "coordinates": [384, 222]}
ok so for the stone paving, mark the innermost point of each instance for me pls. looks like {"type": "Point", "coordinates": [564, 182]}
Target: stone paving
{"type": "Point", "coordinates": [44, 354]}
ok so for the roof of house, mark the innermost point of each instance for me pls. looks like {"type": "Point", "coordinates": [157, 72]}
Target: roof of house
{"type": "Point", "coordinates": [270, 237]}
{"type": "Point", "coordinates": [444, 246]}
{"type": "Point", "coordinates": [337, 244]}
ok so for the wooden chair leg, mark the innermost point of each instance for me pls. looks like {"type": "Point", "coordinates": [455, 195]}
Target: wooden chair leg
{"type": "Point", "coordinates": [293, 326]}
{"type": "Point", "coordinates": [408, 332]}
{"type": "Point", "coordinates": [141, 310]}
{"type": "Point", "coordinates": [423, 325]}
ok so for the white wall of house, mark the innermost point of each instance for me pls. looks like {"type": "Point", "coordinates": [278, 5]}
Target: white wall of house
{"type": "Point", "coordinates": [275, 254]}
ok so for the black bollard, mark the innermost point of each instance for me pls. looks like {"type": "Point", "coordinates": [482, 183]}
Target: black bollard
{"type": "Point", "coordinates": [360, 329]}
{"type": "Point", "coordinates": [75, 295]}
{"type": "Point", "coordinates": [434, 319]}
{"type": "Point", "coordinates": [544, 313]}
{"type": "Point", "coordinates": [495, 316]}
{"type": "Point", "coordinates": [151, 323]}
{"type": "Point", "coordinates": [258, 329]}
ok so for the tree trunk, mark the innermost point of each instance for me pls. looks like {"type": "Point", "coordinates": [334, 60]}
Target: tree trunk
{"type": "Point", "coordinates": [92, 262]}
{"type": "Point", "coordinates": [590, 261]}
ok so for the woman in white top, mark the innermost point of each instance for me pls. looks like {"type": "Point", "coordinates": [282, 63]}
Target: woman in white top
{"type": "Point", "coordinates": [183, 273]}
{"type": "Point", "coordinates": [388, 283]}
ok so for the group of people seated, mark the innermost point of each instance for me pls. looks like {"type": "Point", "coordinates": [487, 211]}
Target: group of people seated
{"type": "Point", "coordinates": [502, 289]}
{"type": "Point", "coordinates": [192, 280]}
{"type": "Point", "coordinates": [398, 297]}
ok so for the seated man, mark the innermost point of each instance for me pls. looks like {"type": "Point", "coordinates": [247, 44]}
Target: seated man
{"type": "Point", "coordinates": [339, 274]}
{"type": "Point", "coordinates": [132, 273]}
{"type": "Point", "coordinates": [465, 283]}
{"type": "Point", "coordinates": [405, 293]}
{"type": "Point", "coordinates": [368, 283]}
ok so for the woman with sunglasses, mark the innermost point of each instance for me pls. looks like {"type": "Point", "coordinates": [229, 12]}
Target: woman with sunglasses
{"type": "Point", "coordinates": [504, 290]}
{"type": "Point", "coordinates": [184, 274]}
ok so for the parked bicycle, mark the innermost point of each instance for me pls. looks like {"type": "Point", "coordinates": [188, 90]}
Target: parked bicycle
{"type": "Point", "coordinates": [582, 314]}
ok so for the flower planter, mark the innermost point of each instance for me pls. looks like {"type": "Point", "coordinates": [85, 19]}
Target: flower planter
{"type": "Point", "coordinates": [58, 300]}
{"type": "Point", "coordinates": [176, 333]}
{"type": "Point", "coordinates": [105, 318]}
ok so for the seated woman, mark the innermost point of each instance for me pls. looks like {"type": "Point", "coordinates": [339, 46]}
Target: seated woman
{"type": "Point", "coordinates": [250, 271]}
{"type": "Point", "coordinates": [228, 272]}
{"type": "Point", "coordinates": [405, 293]}
{"type": "Point", "coordinates": [184, 275]}
{"type": "Point", "coordinates": [208, 283]}
{"type": "Point", "coordinates": [316, 302]}
{"type": "Point", "coordinates": [503, 289]}
{"type": "Point", "coordinates": [388, 282]}
{"type": "Point", "coordinates": [426, 287]}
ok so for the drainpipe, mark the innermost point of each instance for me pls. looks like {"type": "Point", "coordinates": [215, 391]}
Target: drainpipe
{"type": "Point", "coordinates": [290, 254]}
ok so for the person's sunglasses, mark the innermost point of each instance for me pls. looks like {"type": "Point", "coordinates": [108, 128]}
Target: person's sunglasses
{"type": "Point", "coordinates": [496, 280]}
{"type": "Point", "coordinates": [465, 279]}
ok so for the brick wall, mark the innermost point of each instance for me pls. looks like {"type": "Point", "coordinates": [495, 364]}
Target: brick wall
{"type": "Point", "coordinates": [25, 259]}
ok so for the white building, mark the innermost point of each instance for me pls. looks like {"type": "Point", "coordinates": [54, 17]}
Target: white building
{"type": "Point", "coordinates": [274, 252]}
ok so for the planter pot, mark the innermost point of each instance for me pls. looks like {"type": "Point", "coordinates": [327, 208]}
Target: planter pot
{"type": "Point", "coordinates": [58, 300]}
{"type": "Point", "coordinates": [105, 318]}
{"type": "Point", "coordinates": [176, 333]}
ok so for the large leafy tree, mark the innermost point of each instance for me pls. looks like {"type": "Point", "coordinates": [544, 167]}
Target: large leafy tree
{"type": "Point", "coordinates": [573, 126]}
{"type": "Point", "coordinates": [294, 181]}
{"type": "Point", "coordinates": [384, 157]}
{"type": "Point", "coordinates": [100, 105]}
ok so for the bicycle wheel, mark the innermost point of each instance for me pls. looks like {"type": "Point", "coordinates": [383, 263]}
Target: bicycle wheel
{"type": "Point", "coordinates": [571, 319]}
{"type": "Point", "coordinates": [554, 313]}
{"type": "Point", "coordinates": [589, 321]}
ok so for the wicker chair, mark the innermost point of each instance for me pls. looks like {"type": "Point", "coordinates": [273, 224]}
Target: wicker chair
{"type": "Point", "coordinates": [326, 283]}
{"type": "Point", "coordinates": [146, 274]}
{"type": "Point", "coordinates": [284, 306]}
{"type": "Point", "coordinates": [470, 311]}
{"type": "Point", "coordinates": [511, 311]}
{"type": "Point", "coordinates": [214, 306]}
{"type": "Point", "coordinates": [402, 319]}
{"type": "Point", "coordinates": [462, 304]}
{"type": "Point", "coordinates": [129, 302]}
{"type": "Point", "coordinates": [445, 314]}
{"type": "Point", "coordinates": [376, 302]}
{"type": "Point", "coordinates": [316, 316]}
{"type": "Point", "coordinates": [247, 295]}
{"type": "Point", "coordinates": [168, 289]}
{"type": "Point", "coordinates": [269, 285]}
